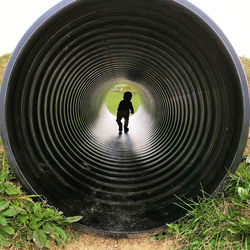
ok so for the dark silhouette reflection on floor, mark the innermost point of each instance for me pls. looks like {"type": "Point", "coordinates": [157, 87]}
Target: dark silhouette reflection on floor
{"type": "Point", "coordinates": [121, 146]}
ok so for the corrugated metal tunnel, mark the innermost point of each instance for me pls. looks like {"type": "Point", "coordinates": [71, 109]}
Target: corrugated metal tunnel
{"type": "Point", "coordinates": [190, 129]}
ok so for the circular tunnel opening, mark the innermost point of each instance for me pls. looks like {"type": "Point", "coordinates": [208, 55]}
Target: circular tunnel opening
{"type": "Point", "coordinates": [116, 94]}
{"type": "Point", "coordinates": [190, 129]}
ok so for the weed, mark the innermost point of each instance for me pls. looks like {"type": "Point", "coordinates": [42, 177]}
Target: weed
{"type": "Point", "coordinates": [23, 221]}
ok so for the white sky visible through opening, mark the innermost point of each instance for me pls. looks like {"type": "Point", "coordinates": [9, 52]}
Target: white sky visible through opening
{"type": "Point", "coordinates": [232, 16]}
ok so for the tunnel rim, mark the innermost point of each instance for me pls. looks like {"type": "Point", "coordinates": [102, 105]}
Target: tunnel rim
{"type": "Point", "coordinates": [64, 4]}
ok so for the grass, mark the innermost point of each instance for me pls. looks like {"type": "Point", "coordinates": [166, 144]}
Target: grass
{"type": "Point", "coordinates": [114, 97]}
{"type": "Point", "coordinates": [3, 63]}
{"type": "Point", "coordinates": [220, 222]}
{"type": "Point", "coordinates": [246, 65]}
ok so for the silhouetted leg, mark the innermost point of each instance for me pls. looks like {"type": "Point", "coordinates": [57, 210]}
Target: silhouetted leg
{"type": "Point", "coordinates": [118, 120]}
{"type": "Point", "coordinates": [126, 124]}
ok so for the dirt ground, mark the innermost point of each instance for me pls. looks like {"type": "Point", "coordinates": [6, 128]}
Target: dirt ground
{"type": "Point", "coordinates": [93, 242]}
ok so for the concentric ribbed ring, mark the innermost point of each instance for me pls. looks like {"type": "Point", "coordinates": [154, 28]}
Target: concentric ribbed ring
{"type": "Point", "coordinates": [190, 129]}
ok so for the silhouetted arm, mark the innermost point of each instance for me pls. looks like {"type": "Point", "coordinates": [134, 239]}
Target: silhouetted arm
{"type": "Point", "coordinates": [131, 108]}
{"type": "Point", "coordinates": [119, 106]}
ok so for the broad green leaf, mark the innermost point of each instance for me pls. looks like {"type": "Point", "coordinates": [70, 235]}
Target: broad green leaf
{"type": "Point", "coordinates": [61, 232]}
{"type": "Point", "coordinates": [8, 229]}
{"type": "Point", "coordinates": [29, 234]}
{"type": "Point", "coordinates": [23, 218]}
{"type": "Point", "coordinates": [47, 228]}
{"type": "Point", "coordinates": [3, 205]}
{"type": "Point", "coordinates": [36, 223]}
{"type": "Point", "coordinates": [47, 244]}
{"type": "Point", "coordinates": [60, 213]}
{"type": "Point", "coordinates": [40, 238]}
{"type": "Point", "coordinates": [73, 219]}
{"type": "Point", "coordinates": [3, 221]}
{"type": "Point", "coordinates": [28, 206]}
{"type": "Point", "coordinates": [3, 176]}
{"type": "Point", "coordinates": [3, 235]}
{"type": "Point", "coordinates": [4, 242]}
{"type": "Point", "coordinates": [12, 190]}
{"type": "Point", "coordinates": [54, 235]}
{"type": "Point", "coordinates": [50, 213]}
{"type": "Point", "coordinates": [10, 212]}
{"type": "Point", "coordinates": [37, 209]}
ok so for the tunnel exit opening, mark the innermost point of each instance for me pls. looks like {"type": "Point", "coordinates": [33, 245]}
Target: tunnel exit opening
{"type": "Point", "coordinates": [115, 95]}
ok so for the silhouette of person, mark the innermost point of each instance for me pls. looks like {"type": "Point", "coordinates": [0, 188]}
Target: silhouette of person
{"type": "Point", "coordinates": [123, 111]}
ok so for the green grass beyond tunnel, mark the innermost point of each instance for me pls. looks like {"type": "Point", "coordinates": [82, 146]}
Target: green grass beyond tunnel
{"type": "Point", "coordinates": [115, 95]}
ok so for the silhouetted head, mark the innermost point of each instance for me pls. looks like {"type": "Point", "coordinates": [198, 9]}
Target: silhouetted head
{"type": "Point", "coordinates": [127, 96]}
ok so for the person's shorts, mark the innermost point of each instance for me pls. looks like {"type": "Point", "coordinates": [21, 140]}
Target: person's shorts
{"type": "Point", "coordinates": [122, 114]}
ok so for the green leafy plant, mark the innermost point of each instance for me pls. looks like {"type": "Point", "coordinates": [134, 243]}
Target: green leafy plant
{"type": "Point", "coordinates": [23, 220]}
{"type": "Point", "coordinates": [6, 228]}
{"type": "Point", "coordinates": [43, 224]}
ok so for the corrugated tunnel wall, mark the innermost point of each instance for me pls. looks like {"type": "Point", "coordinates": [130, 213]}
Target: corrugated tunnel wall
{"type": "Point", "coordinates": [190, 130]}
